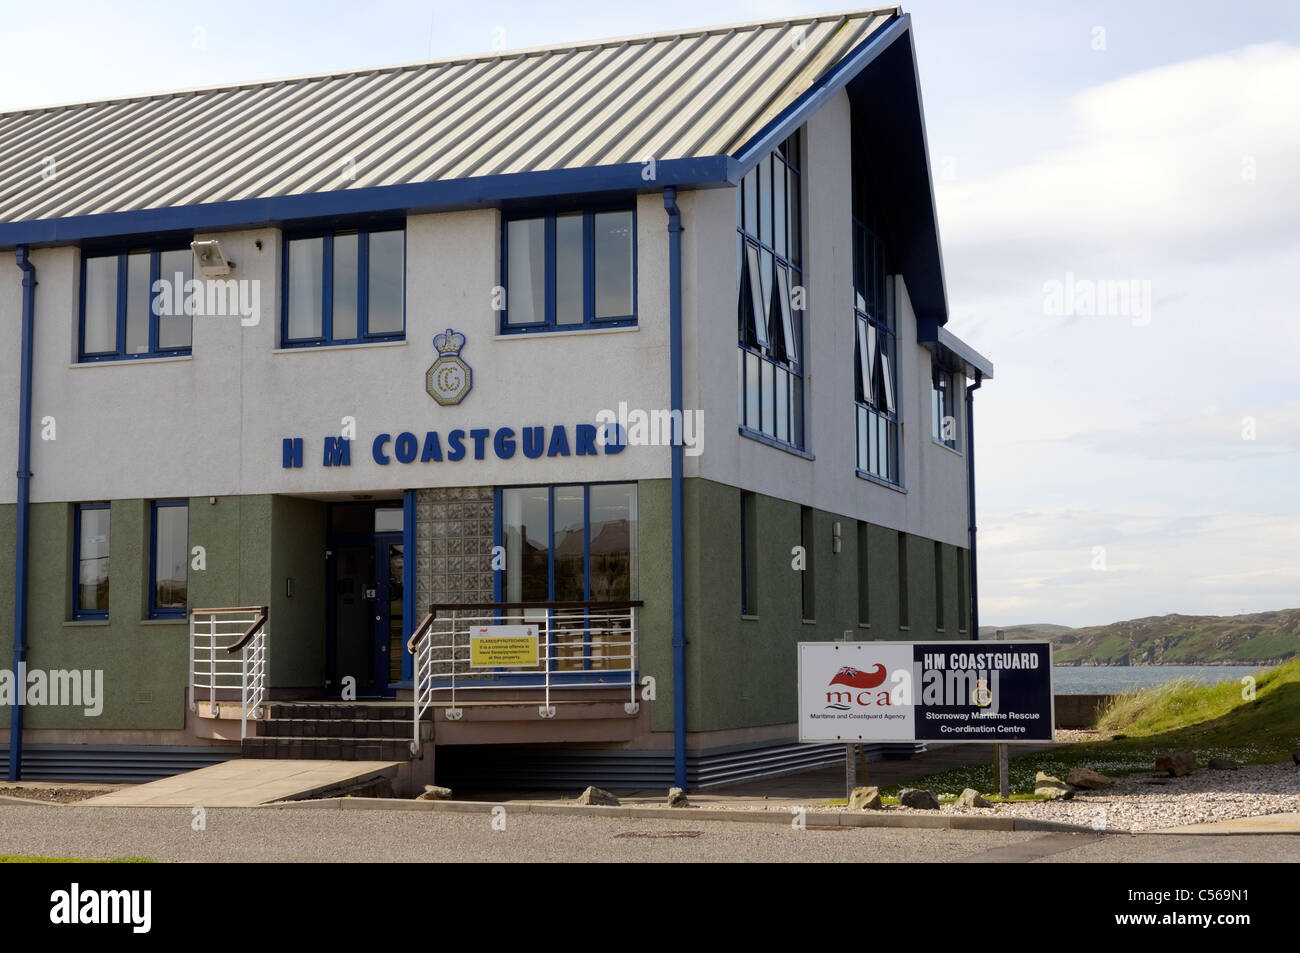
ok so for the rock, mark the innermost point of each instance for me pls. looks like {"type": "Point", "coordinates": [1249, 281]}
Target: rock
{"type": "Point", "coordinates": [864, 799]}
{"type": "Point", "coordinates": [1052, 788]}
{"type": "Point", "coordinates": [972, 798]}
{"type": "Point", "coordinates": [1295, 755]}
{"type": "Point", "coordinates": [676, 797]}
{"type": "Point", "coordinates": [1089, 779]}
{"type": "Point", "coordinates": [1177, 764]}
{"type": "Point", "coordinates": [594, 795]}
{"type": "Point", "coordinates": [918, 798]}
{"type": "Point", "coordinates": [434, 793]}
{"type": "Point", "coordinates": [1223, 764]}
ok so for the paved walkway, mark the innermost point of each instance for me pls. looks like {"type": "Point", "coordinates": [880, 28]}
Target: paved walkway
{"type": "Point", "coordinates": [246, 782]}
{"type": "Point", "coordinates": [1263, 824]}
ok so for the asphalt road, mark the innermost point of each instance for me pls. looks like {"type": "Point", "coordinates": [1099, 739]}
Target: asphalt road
{"type": "Point", "coordinates": [263, 834]}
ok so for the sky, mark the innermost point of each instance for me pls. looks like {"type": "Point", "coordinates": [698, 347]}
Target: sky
{"type": "Point", "coordinates": [1138, 452]}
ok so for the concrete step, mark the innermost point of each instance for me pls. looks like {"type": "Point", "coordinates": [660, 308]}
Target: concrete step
{"type": "Point", "coordinates": [328, 749]}
{"type": "Point", "coordinates": [333, 727]}
{"type": "Point", "coordinates": [352, 711]}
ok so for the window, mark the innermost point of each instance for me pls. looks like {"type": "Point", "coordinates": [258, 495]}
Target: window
{"type": "Point", "coordinates": [808, 579]}
{"type": "Point", "coordinates": [90, 561]}
{"type": "Point", "coordinates": [133, 304]}
{"type": "Point", "coordinates": [769, 227]}
{"type": "Point", "coordinates": [344, 287]}
{"type": "Point", "coordinates": [748, 554]}
{"type": "Point", "coordinates": [570, 543]}
{"type": "Point", "coordinates": [864, 576]}
{"type": "Point", "coordinates": [570, 269]}
{"type": "Point", "coordinates": [875, 358]}
{"type": "Point", "coordinates": [943, 419]}
{"type": "Point", "coordinates": [938, 586]}
{"type": "Point", "coordinates": [169, 558]}
{"type": "Point", "coordinates": [904, 615]}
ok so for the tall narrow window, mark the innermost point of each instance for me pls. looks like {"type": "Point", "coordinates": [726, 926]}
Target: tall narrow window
{"type": "Point", "coordinates": [169, 559]}
{"type": "Point", "coordinates": [963, 565]}
{"type": "Point", "coordinates": [748, 555]}
{"type": "Point", "coordinates": [770, 308]}
{"type": "Point", "coordinates": [904, 616]}
{"type": "Point", "coordinates": [864, 575]}
{"type": "Point", "coordinates": [943, 418]}
{"type": "Point", "coordinates": [90, 561]}
{"type": "Point", "coordinates": [938, 585]}
{"type": "Point", "coordinates": [808, 582]}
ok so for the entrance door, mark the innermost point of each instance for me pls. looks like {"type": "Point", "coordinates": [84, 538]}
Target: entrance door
{"type": "Point", "coordinates": [365, 638]}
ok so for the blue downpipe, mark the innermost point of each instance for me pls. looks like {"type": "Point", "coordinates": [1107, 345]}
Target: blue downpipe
{"type": "Point", "coordinates": [24, 508]}
{"type": "Point", "coordinates": [678, 523]}
{"type": "Point", "coordinates": [970, 501]}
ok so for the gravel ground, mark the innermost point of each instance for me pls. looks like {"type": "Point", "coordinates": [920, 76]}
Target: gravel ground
{"type": "Point", "coordinates": [1134, 806]}
{"type": "Point", "coordinates": [54, 794]}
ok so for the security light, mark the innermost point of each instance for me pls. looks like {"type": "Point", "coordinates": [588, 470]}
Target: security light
{"type": "Point", "coordinates": [212, 261]}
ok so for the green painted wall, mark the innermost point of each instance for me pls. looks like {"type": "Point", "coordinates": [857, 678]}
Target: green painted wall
{"type": "Point", "coordinates": [144, 661]}
{"type": "Point", "coordinates": [655, 580]}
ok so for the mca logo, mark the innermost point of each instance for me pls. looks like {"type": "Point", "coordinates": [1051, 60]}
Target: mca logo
{"type": "Point", "coordinates": [449, 378]}
{"type": "Point", "coordinates": [855, 678]}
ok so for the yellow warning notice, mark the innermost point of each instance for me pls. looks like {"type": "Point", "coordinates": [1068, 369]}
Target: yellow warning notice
{"type": "Point", "coordinates": [503, 646]}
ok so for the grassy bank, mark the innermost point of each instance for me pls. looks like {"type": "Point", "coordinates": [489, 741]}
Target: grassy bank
{"type": "Point", "coordinates": [1213, 721]}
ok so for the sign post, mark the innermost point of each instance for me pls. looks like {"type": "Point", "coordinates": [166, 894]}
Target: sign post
{"type": "Point", "coordinates": [1002, 764]}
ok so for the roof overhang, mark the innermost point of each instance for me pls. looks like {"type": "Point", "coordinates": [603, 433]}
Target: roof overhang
{"type": "Point", "coordinates": [952, 352]}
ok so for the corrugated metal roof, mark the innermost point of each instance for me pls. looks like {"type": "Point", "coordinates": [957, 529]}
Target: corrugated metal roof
{"type": "Point", "coordinates": [663, 96]}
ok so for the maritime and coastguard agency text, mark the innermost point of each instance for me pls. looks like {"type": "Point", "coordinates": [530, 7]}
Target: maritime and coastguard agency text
{"type": "Point", "coordinates": [1182, 916]}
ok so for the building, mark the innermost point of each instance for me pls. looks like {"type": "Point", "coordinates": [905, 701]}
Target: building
{"type": "Point", "coordinates": [348, 346]}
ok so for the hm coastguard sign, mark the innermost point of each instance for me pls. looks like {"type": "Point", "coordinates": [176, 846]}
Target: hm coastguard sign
{"type": "Point", "coordinates": [925, 691]}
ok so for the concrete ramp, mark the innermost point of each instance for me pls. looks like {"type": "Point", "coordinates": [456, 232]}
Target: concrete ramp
{"type": "Point", "coordinates": [248, 782]}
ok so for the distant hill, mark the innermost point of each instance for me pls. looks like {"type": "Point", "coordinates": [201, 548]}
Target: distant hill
{"type": "Point", "coordinates": [1262, 638]}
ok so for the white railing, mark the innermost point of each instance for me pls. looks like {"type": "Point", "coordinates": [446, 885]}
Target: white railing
{"type": "Point", "coordinates": [580, 645]}
{"type": "Point", "coordinates": [228, 653]}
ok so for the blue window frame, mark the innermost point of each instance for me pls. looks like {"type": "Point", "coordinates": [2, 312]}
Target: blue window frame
{"type": "Point", "coordinates": [875, 359]}
{"type": "Point", "coordinates": [344, 286]}
{"type": "Point", "coordinates": [129, 308]}
{"type": "Point", "coordinates": [568, 269]}
{"type": "Point", "coordinates": [90, 552]}
{"type": "Point", "coordinates": [769, 227]}
{"type": "Point", "coordinates": [169, 558]}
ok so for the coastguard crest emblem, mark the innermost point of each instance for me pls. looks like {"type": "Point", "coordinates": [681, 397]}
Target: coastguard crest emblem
{"type": "Point", "coordinates": [449, 378]}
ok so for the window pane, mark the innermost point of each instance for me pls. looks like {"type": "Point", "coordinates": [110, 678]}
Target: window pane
{"type": "Point", "coordinates": [568, 543]}
{"type": "Point", "coordinates": [171, 556]}
{"type": "Point", "coordinates": [568, 268]}
{"type": "Point", "coordinates": [613, 264]}
{"type": "Point", "coordinates": [138, 299]}
{"type": "Point", "coordinates": [751, 202]}
{"type": "Point", "coordinates": [778, 207]}
{"type": "Point", "coordinates": [524, 533]}
{"type": "Point", "coordinates": [796, 394]}
{"type": "Point", "coordinates": [782, 404]}
{"type": "Point", "coordinates": [346, 265]}
{"type": "Point", "coordinates": [769, 399]}
{"type": "Point", "coordinates": [757, 299]}
{"type": "Point", "coordinates": [751, 391]}
{"type": "Point", "coordinates": [387, 283]}
{"type": "Point", "coordinates": [765, 200]}
{"type": "Point", "coordinates": [101, 305]}
{"type": "Point", "coordinates": [786, 315]}
{"type": "Point", "coordinates": [177, 269]}
{"type": "Point", "coordinates": [306, 286]}
{"type": "Point", "coordinates": [795, 219]}
{"type": "Point", "coordinates": [613, 543]}
{"type": "Point", "coordinates": [92, 569]}
{"type": "Point", "coordinates": [526, 271]}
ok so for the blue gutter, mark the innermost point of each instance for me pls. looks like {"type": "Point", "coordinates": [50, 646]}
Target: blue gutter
{"type": "Point", "coordinates": [442, 195]}
{"type": "Point", "coordinates": [970, 501]}
{"type": "Point", "coordinates": [24, 508]}
{"type": "Point", "coordinates": [678, 522]}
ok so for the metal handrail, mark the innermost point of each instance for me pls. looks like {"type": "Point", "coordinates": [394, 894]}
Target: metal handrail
{"type": "Point", "coordinates": [247, 672]}
{"type": "Point", "coordinates": [262, 615]}
{"type": "Point", "coordinates": [614, 635]}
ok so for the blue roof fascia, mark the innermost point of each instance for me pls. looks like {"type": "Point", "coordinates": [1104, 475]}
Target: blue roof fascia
{"type": "Point", "coordinates": [443, 195]}
{"type": "Point", "coordinates": [932, 335]}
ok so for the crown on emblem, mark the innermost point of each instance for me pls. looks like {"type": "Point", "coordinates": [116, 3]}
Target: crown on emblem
{"type": "Point", "coordinates": [449, 342]}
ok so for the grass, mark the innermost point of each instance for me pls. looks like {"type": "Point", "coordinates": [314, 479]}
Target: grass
{"type": "Point", "coordinates": [1212, 721]}
{"type": "Point", "coordinates": [14, 859]}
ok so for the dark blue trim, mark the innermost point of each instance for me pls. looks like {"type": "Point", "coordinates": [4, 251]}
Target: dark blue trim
{"type": "Point", "coordinates": [24, 474]}
{"type": "Point", "coordinates": [678, 520]}
{"type": "Point", "coordinates": [413, 198]}
{"type": "Point", "coordinates": [970, 503]}
{"type": "Point", "coordinates": [154, 611]}
{"type": "Point", "coordinates": [409, 619]}
{"type": "Point", "coordinates": [548, 216]}
{"type": "Point", "coordinates": [79, 613]}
